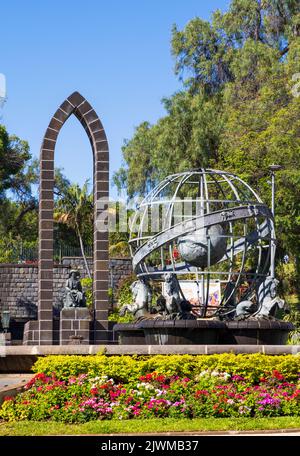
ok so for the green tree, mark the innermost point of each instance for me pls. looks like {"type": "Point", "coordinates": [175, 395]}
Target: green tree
{"type": "Point", "coordinates": [18, 203]}
{"type": "Point", "coordinates": [14, 156]}
{"type": "Point", "coordinates": [75, 209]}
{"type": "Point", "coordinates": [236, 110]}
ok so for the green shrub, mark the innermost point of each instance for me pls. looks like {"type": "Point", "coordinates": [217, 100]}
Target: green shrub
{"type": "Point", "coordinates": [87, 285]}
{"type": "Point", "coordinates": [287, 275]}
{"type": "Point", "coordinates": [123, 293]}
{"type": "Point", "coordinates": [123, 296]}
{"type": "Point", "coordinates": [116, 317]}
{"type": "Point", "coordinates": [128, 368]}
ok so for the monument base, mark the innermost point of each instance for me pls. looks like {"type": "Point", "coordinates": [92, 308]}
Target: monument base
{"type": "Point", "coordinates": [129, 334]}
{"type": "Point", "coordinates": [207, 332]}
{"type": "Point", "coordinates": [75, 322]}
{"type": "Point", "coordinates": [256, 332]}
{"type": "Point", "coordinates": [74, 326]}
{"type": "Point", "coordinates": [171, 332]}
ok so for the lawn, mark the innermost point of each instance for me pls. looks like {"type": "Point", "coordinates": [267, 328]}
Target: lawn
{"type": "Point", "coordinates": [34, 428]}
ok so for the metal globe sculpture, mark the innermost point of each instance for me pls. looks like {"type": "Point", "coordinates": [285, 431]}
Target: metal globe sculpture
{"type": "Point", "coordinates": [208, 227]}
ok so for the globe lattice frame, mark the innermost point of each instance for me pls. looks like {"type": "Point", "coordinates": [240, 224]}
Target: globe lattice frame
{"type": "Point", "coordinates": [228, 222]}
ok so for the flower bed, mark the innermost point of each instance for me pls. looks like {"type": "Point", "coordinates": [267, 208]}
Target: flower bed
{"type": "Point", "coordinates": [209, 393]}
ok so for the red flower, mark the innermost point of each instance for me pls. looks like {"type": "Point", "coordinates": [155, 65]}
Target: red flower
{"type": "Point", "coordinates": [94, 391]}
{"type": "Point", "coordinates": [278, 375]}
{"type": "Point", "coordinates": [201, 393]}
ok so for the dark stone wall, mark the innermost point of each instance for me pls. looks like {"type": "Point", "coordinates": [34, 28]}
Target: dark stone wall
{"type": "Point", "coordinates": [19, 284]}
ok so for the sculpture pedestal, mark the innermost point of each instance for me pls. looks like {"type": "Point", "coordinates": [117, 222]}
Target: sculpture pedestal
{"type": "Point", "coordinates": [129, 334]}
{"type": "Point", "coordinates": [75, 322]}
{"type": "Point", "coordinates": [204, 332]}
{"type": "Point", "coordinates": [170, 332]}
{"type": "Point", "coordinates": [256, 332]}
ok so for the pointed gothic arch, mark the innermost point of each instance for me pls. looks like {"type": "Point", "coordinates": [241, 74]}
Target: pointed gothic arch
{"type": "Point", "coordinates": [75, 104]}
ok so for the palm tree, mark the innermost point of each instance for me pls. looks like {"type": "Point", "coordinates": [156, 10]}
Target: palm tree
{"type": "Point", "coordinates": [75, 209]}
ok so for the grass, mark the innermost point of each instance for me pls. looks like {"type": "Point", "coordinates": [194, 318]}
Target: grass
{"type": "Point", "coordinates": [34, 428]}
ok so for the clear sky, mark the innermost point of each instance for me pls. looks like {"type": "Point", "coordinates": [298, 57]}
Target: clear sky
{"type": "Point", "coordinates": [116, 53]}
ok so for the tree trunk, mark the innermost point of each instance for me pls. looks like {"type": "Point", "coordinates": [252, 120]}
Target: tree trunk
{"type": "Point", "coordinates": [83, 254]}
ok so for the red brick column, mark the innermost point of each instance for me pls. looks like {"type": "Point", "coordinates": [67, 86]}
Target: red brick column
{"type": "Point", "coordinates": [77, 105]}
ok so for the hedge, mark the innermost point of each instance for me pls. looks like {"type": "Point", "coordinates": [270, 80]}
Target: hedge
{"type": "Point", "coordinates": [128, 368]}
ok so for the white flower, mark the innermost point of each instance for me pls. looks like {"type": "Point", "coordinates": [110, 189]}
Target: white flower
{"type": "Point", "coordinates": [203, 373]}
{"type": "Point", "coordinates": [214, 374]}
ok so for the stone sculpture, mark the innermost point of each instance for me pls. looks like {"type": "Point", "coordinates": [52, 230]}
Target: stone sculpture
{"type": "Point", "coordinates": [173, 295]}
{"type": "Point", "coordinates": [142, 295]}
{"type": "Point", "coordinates": [222, 221]}
{"type": "Point", "coordinates": [268, 301]}
{"type": "Point", "coordinates": [74, 295]}
{"type": "Point", "coordinates": [244, 309]}
{"type": "Point", "coordinates": [193, 248]}
{"type": "Point", "coordinates": [208, 225]}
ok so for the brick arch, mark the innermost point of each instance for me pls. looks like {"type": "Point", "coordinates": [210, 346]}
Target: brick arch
{"type": "Point", "coordinates": [75, 104]}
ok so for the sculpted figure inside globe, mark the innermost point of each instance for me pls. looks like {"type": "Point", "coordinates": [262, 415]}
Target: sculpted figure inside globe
{"type": "Point", "coordinates": [216, 238]}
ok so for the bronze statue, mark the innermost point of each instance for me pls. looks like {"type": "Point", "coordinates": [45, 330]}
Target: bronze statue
{"type": "Point", "coordinates": [74, 296]}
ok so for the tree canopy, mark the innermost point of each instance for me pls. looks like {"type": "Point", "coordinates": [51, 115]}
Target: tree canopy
{"type": "Point", "coordinates": [236, 111]}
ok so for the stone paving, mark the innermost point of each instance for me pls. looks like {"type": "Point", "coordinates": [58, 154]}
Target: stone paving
{"type": "Point", "coordinates": [12, 380]}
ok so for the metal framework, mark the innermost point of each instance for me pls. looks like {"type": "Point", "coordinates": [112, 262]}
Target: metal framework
{"type": "Point", "coordinates": [190, 203]}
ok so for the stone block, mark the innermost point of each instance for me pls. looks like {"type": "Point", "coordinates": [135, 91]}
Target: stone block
{"type": "Point", "coordinates": [75, 323]}
{"type": "Point", "coordinates": [66, 324]}
{"type": "Point", "coordinates": [83, 324]}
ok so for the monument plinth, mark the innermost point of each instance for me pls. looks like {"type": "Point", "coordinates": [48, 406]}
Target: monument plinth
{"type": "Point", "coordinates": [75, 322]}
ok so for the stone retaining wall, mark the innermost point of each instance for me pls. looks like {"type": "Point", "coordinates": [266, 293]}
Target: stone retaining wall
{"type": "Point", "coordinates": [19, 284]}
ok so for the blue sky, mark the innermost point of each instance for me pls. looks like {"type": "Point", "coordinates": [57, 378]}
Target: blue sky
{"type": "Point", "coordinates": [117, 54]}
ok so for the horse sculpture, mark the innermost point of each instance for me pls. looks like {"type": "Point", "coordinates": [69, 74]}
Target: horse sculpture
{"type": "Point", "coordinates": [142, 295]}
{"type": "Point", "coordinates": [268, 302]}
